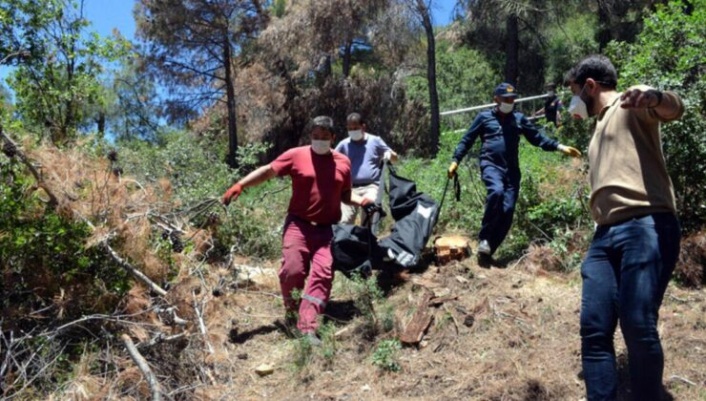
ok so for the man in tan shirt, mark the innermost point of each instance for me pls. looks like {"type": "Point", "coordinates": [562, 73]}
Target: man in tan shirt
{"type": "Point", "coordinates": [636, 243]}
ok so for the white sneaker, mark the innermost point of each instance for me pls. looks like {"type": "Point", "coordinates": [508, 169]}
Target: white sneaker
{"type": "Point", "coordinates": [484, 247]}
{"type": "Point", "coordinates": [313, 339]}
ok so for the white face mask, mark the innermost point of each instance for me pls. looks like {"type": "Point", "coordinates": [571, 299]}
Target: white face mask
{"type": "Point", "coordinates": [577, 107]}
{"type": "Point", "coordinates": [321, 147]}
{"type": "Point", "coordinates": [506, 108]}
{"type": "Point", "coordinates": [356, 135]}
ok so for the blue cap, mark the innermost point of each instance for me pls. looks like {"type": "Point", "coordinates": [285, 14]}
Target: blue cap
{"type": "Point", "coordinates": [505, 90]}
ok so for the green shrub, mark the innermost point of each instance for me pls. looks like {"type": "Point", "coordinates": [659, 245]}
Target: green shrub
{"type": "Point", "coordinates": [378, 316]}
{"type": "Point", "coordinates": [385, 355]}
{"type": "Point", "coordinates": [327, 333]}
{"type": "Point", "coordinates": [253, 224]}
{"type": "Point", "coordinates": [196, 170]}
{"type": "Point", "coordinates": [303, 353]}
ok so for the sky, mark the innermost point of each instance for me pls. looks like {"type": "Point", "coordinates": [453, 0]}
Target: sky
{"type": "Point", "coordinates": [107, 15]}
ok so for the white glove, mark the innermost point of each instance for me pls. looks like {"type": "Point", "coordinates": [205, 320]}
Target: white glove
{"type": "Point", "coordinates": [387, 156]}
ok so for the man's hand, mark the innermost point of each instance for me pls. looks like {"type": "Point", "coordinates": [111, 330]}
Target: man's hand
{"type": "Point", "coordinates": [232, 194]}
{"type": "Point", "coordinates": [387, 156]}
{"type": "Point", "coordinates": [637, 99]}
{"type": "Point", "coordinates": [369, 205]}
{"type": "Point", "coordinates": [452, 169]}
{"type": "Point", "coordinates": [569, 151]}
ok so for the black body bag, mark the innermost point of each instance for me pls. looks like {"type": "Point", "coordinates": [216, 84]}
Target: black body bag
{"type": "Point", "coordinates": [356, 249]}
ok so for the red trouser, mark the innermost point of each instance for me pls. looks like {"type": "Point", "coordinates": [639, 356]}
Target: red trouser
{"type": "Point", "coordinates": [306, 250]}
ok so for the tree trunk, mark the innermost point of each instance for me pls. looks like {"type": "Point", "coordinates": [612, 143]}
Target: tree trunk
{"type": "Point", "coordinates": [512, 50]}
{"type": "Point", "coordinates": [323, 70]}
{"type": "Point", "coordinates": [347, 55]}
{"type": "Point", "coordinates": [231, 159]}
{"type": "Point", "coordinates": [604, 34]}
{"type": "Point", "coordinates": [431, 77]}
{"type": "Point", "coordinates": [100, 122]}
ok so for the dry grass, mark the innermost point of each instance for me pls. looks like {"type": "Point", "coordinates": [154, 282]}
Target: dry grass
{"type": "Point", "coordinates": [512, 334]}
{"type": "Point", "coordinates": [89, 188]}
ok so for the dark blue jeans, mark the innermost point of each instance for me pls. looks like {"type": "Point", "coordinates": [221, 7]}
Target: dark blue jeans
{"type": "Point", "coordinates": [625, 275]}
{"type": "Point", "coordinates": [502, 190]}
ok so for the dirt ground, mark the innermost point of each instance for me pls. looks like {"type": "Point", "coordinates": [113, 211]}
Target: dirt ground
{"type": "Point", "coordinates": [500, 334]}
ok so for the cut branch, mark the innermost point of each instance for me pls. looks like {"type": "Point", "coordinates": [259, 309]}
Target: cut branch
{"type": "Point", "coordinates": [202, 325]}
{"type": "Point", "coordinates": [144, 367]}
{"type": "Point", "coordinates": [159, 339]}
{"type": "Point", "coordinates": [131, 269]}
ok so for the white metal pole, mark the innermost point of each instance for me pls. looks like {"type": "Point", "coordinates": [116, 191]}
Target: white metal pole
{"type": "Point", "coordinates": [485, 106]}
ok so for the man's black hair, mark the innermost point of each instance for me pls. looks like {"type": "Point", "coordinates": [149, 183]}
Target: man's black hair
{"type": "Point", "coordinates": [324, 122]}
{"type": "Point", "coordinates": [596, 66]}
{"type": "Point", "coordinates": [355, 118]}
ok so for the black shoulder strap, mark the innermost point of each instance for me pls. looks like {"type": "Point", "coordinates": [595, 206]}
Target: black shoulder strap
{"type": "Point", "coordinates": [373, 221]}
{"type": "Point", "coordinates": [457, 192]}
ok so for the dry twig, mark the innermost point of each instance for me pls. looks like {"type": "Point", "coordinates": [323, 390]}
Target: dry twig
{"type": "Point", "coordinates": [144, 367]}
{"type": "Point", "coordinates": [202, 325]}
{"type": "Point", "coordinates": [132, 270]}
{"type": "Point", "coordinates": [682, 379]}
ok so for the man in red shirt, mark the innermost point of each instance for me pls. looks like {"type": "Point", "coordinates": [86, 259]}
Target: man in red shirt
{"type": "Point", "coordinates": [321, 180]}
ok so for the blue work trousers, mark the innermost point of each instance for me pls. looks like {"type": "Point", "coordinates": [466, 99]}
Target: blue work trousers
{"type": "Point", "coordinates": [625, 275]}
{"type": "Point", "coordinates": [502, 188]}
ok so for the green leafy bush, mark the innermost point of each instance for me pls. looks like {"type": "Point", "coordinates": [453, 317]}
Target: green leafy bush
{"type": "Point", "coordinates": [369, 300]}
{"type": "Point", "coordinates": [385, 355]}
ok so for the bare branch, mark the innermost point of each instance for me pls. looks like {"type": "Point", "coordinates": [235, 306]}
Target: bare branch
{"type": "Point", "coordinates": [207, 73]}
{"type": "Point", "coordinates": [144, 367]}
{"type": "Point", "coordinates": [202, 325]}
{"type": "Point", "coordinates": [159, 339]}
{"type": "Point", "coordinates": [132, 270]}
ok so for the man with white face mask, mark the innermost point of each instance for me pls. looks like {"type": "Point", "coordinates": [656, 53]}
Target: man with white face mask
{"type": "Point", "coordinates": [366, 153]}
{"type": "Point", "coordinates": [636, 243]}
{"type": "Point", "coordinates": [321, 180]}
{"type": "Point", "coordinates": [499, 130]}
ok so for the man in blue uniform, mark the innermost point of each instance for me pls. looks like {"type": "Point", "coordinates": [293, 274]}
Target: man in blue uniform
{"type": "Point", "coordinates": [499, 130]}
